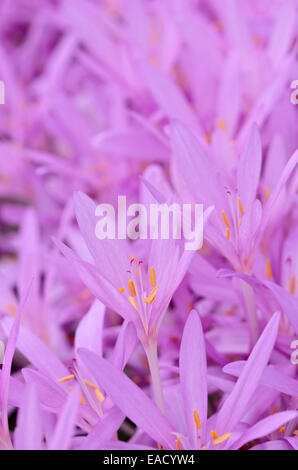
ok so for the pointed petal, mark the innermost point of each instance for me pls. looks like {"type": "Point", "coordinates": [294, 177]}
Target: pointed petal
{"type": "Point", "coordinates": [103, 431]}
{"type": "Point", "coordinates": [234, 406]}
{"type": "Point", "coordinates": [28, 434]}
{"type": "Point", "coordinates": [193, 376]}
{"type": "Point", "coordinates": [264, 427]}
{"type": "Point", "coordinates": [89, 331]}
{"type": "Point", "coordinates": [130, 399]}
{"type": "Point", "coordinates": [66, 423]}
{"type": "Point", "coordinates": [250, 167]}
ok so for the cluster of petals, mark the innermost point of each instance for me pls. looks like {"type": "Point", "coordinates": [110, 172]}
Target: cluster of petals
{"type": "Point", "coordinates": [127, 345]}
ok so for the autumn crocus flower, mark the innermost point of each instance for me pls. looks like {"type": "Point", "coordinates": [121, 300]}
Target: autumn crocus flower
{"type": "Point", "coordinates": [238, 222]}
{"type": "Point", "coordinates": [140, 292]}
{"type": "Point", "coordinates": [220, 431]}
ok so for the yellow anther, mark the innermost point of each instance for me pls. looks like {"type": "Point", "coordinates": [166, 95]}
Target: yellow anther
{"type": "Point", "coordinates": [11, 308]}
{"type": "Point", "coordinates": [178, 443]}
{"type": "Point", "coordinates": [239, 223]}
{"type": "Point", "coordinates": [151, 296]}
{"type": "Point", "coordinates": [222, 125]}
{"type": "Point", "coordinates": [228, 233]}
{"type": "Point", "coordinates": [132, 288]}
{"type": "Point", "coordinates": [121, 289]}
{"type": "Point", "coordinates": [267, 192]}
{"type": "Point", "coordinates": [133, 258]}
{"type": "Point", "coordinates": [66, 378]}
{"type": "Point", "coordinates": [230, 311]}
{"type": "Point", "coordinates": [295, 433]}
{"type": "Point", "coordinates": [152, 277]}
{"type": "Point", "coordinates": [268, 269]}
{"type": "Point", "coordinates": [99, 395]}
{"type": "Point", "coordinates": [159, 446]}
{"type": "Point", "coordinates": [82, 400]}
{"type": "Point", "coordinates": [225, 219]}
{"type": "Point", "coordinates": [133, 302]}
{"type": "Point", "coordinates": [222, 438]}
{"type": "Point", "coordinates": [240, 206]}
{"type": "Point", "coordinates": [275, 410]}
{"type": "Point", "coordinates": [282, 429]}
{"type": "Point", "coordinates": [197, 419]}
{"type": "Point", "coordinates": [214, 434]}
{"type": "Point", "coordinates": [293, 285]}
{"type": "Point", "coordinates": [207, 138]}
{"type": "Point", "coordinates": [84, 295]}
{"type": "Point", "coordinates": [90, 384]}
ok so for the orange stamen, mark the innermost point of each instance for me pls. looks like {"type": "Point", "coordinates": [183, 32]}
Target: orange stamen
{"type": "Point", "coordinates": [197, 419]}
{"type": "Point", "coordinates": [240, 206]}
{"type": "Point", "coordinates": [293, 285]}
{"type": "Point", "coordinates": [66, 379]}
{"type": "Point", "coordinates": [132, 288]}
{"type": "Point", "coordinates": [222, 438]}
{"type": "Point", "coordinates": [133, 302]}
{"type": "Point", "coordinates": [268, 269]}
{"type": "Point", "coordinates": [222, 125]}
{"type": "Point", "coordinates": [151, 296]}
{"type": "Point", "coordinates": [225, 219]}
{"type": "Point", "coordinates": [152, 277]}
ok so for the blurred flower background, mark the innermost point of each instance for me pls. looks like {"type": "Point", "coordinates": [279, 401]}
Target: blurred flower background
{"type": "Point", "coordinates": [114, 344]}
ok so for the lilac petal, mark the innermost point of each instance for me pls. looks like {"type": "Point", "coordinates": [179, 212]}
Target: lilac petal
{"type": "Point", "coordinates": [13, 337]}
{"type": "Point", "coordinates": [234, 406]}
{"type": "Point", "coordinates": [28, 434]}
{"type": "Point", "coordinates": [270, 378]}
{"type": "Point", "coordinates": [130, 399]}
{"type": "Point", "coordinates": [264, 427]}
{"type": "Point", "coordinates": [90, 328]}
{"type": "Point", "coordinates": [125, 345]}
{"type": "Point", "coordinates": [195, 165]}
{"type": "Point", "coordinates": [293, 441]}
{"type": "Point", "coordinates": [273, 445]}
{"type": "Point", "coordinates": [283, 32]}
{"type": "Point", "coordinates": [66, 422]}
{"type": "Point", "coordinates": [168, 96]}
{"type": "Point", "coordinates": [193, 376]}
{"type": "Point", "coordinates": [103, 431]}
{"type": "Point", "coordinates": [36, 351]}
{"type": "Point", "coordinates": [250, 167]}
